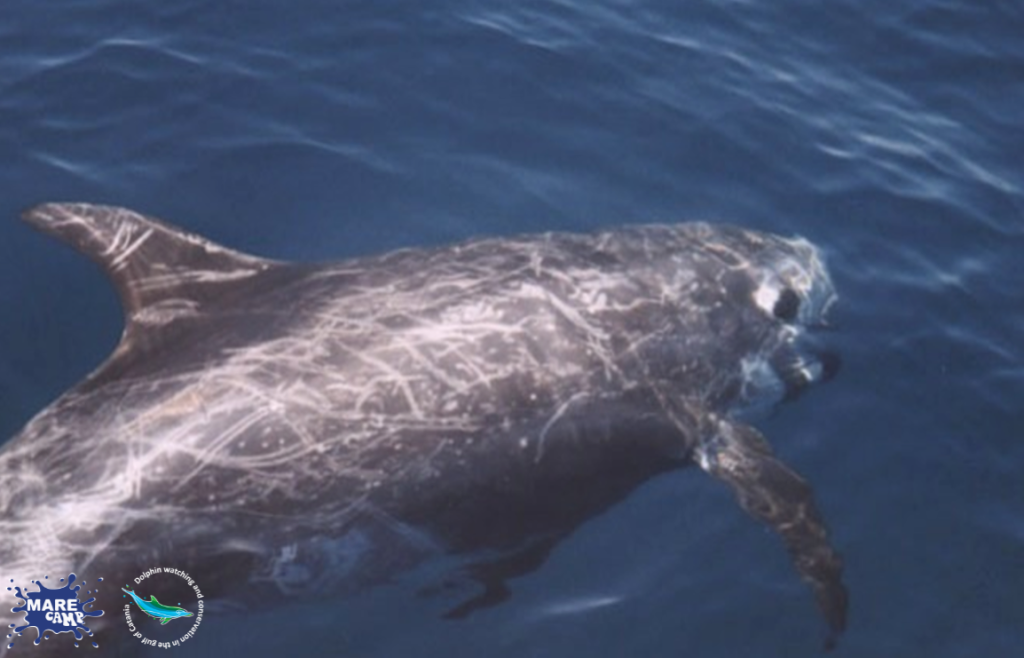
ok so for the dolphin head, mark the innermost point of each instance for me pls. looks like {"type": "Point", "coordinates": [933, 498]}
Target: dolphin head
{"type": "Point", "coordinates": [787, 292]}
{"type": "Point", "coordinates": [743, 306]}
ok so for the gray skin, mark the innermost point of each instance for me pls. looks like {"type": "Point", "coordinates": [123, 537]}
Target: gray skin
{"type": "Point", "coordinates": [312, 429]}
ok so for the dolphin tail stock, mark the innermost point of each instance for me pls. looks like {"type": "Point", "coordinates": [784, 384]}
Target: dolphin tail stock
{"type": "Point", "coordinates": [770, 491]}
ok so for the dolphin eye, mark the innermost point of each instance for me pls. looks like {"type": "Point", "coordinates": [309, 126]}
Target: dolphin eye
{"type": "Point", "coordinates": [787, 305]}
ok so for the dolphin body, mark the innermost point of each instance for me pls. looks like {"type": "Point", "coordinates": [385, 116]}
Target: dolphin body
{"type": "Point", "coordinates": [157, 610]}
{"type": "Point", "coordinates": [296, 429]}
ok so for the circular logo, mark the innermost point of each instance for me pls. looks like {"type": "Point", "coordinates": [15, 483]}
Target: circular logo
{"type": "Point", "coordinates": [170, 597]}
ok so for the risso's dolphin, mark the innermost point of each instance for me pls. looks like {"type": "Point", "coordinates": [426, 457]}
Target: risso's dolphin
{"type": "Point", "coordinates": [276, 428]}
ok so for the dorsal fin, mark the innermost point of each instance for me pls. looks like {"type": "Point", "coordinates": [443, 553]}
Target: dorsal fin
{"type": "Point", "coordinates": [161, 273]}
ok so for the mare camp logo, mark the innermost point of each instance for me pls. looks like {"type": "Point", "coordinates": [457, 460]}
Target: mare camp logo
{"type": "Point", "coordinates": [54, 610]}
{"type": "Point", "coordinates": [179, 614]}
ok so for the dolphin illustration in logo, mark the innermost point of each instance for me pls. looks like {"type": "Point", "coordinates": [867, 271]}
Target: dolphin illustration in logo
{"type": "Point", "coordinates": [157, 610]}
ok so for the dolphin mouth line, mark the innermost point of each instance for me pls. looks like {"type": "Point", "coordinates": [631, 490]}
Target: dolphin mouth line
{"type": "Point", "coordinates": [805, 359]}
{"type": "Point", "coordinates": [781, 372]}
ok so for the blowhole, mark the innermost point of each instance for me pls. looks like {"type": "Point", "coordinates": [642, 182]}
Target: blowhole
{"type": "Point", "coordinates": [787, 306]}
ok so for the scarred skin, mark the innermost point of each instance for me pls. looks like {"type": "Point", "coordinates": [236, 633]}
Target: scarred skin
{"type": "Point", "coordinates": [306, 429]}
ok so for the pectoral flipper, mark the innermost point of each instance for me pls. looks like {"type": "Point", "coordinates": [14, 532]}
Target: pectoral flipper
{"type": "Point", "coordinates": [738, 455]}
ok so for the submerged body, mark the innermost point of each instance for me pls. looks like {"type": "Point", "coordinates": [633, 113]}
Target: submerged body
{"type": "Point", "coordinates": [307, 429]}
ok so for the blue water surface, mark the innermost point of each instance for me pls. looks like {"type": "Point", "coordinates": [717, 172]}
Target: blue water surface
{"type": "Point", "coordinates": [889, 133]}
